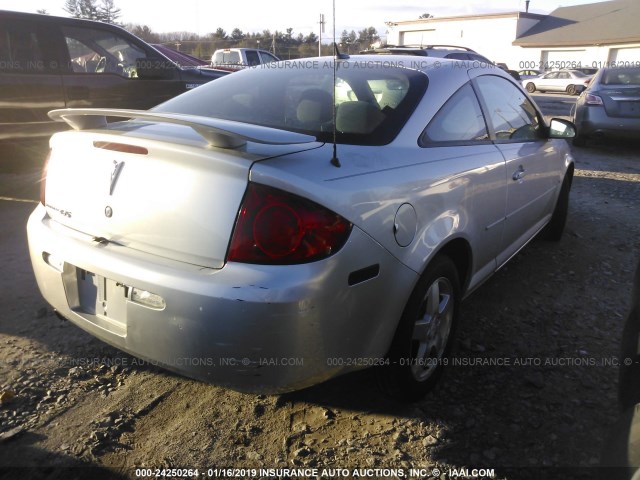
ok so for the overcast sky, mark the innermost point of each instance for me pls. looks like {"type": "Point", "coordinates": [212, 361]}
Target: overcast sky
{"type": "Point", "coordinates": [205, 16]}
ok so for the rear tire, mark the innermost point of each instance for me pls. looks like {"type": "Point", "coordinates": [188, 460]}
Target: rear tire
{"type": "Point", "coordinates": [422, 342]}
{"type": "Point", "coordinates": [531, 87]}
{"type": "Point", "coordinates": [572, 90]}
{"type": "Point", "coordinates": [554, 229]}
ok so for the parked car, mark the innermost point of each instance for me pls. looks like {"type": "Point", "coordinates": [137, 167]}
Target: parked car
{"type": "Point", "coordinates": [586, 70]}
{"type": "Point", "coordinates": [234, 59]}
{"type": "Point", "coordinates": [49, 62]}
{"type": "Point", "coordinates": [572, 82]}
{"type": "Point", "coordinates": [526, 74]}
{"type": "Point", "coordinates": [610, 107]}
{"type": "Point", "coordinates": [225, 236]}
{"type": "Point", "coordinates": [452, 52]}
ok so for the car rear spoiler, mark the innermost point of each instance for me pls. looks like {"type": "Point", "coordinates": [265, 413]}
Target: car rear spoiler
{"type": "Point", "coordinates": [217, 132]}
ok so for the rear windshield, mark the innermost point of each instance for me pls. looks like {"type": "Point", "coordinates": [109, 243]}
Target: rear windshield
{"type": "Point", "coordinates": [372, 101]}
{"type": "Point", "coordinates": [231, 57]}
{"type": "Point", "coordinates": [621, 76]}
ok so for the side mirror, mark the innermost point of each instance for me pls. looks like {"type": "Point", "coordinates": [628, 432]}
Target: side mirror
{"type": "Point", "coordinates": [559, 128]}
{"type": "Point", "coordinates": [155, 68]}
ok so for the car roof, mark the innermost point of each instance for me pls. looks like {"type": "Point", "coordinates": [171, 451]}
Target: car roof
{"type": "Point", "coordinates": [242, 49]}
{"type": "Point", "coordinates": [433, 66]}
{"type": "Point", "coordinates": [420, 50]}
{"type": "Point", "coordinates": [57, 19]}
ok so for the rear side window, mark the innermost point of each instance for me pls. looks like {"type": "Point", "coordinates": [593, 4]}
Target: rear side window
{"type": "Point", "coordinates": [22, 48]}
{"type": "Point", "coordinates": [460, 120]}
{"type": "Point", "coordinates": [252, 58]}
{"type": "Point", "coordinates": [102, 51]}
{"type": "Point", "coordinates": [458, 56]}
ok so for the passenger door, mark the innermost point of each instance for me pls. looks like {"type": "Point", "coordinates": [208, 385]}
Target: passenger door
{"type": "Point", "coordinates": [108, 69]}
{"type": "Point", "coordinates": [564, 79]}
{"type": "Point", "coordinates": [548, 81]}
{"type": "Point", "coordinates": [459, 146]}
{"type": "Point", "coordinates": [30, 82]}
{"type": "Point", "coordinates": [518, 131]}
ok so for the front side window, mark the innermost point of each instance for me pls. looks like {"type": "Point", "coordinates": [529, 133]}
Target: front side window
{"type": "Point", "coordinates": [460, 120]}
{"type": "Point", "coordinates": [102, 51]}
{"type": "Point", "coordinates": [510, 113]}
{"type": "Point", "coordinates": [372, 103]}
{"type": "Point", "coordinates": [267, 57]}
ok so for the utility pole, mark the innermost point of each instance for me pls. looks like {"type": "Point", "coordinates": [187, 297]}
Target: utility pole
{"type": "Point", "coordinates": [320, 36]}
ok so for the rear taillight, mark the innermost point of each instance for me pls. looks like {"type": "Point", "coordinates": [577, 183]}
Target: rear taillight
{"type": "Point", "coordinates": [276, 227]}
{"type": "Point", "coordinates": [593, 99]}
{"type": "Point", "coordinates": [43, 180]}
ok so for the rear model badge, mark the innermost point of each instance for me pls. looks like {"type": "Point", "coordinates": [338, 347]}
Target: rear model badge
{"type": "Point", "coordinates": [117, 168]}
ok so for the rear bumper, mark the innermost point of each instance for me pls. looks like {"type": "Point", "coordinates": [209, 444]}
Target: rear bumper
{"type": "Point", "coordinates": [249, 327]}
{"type": "Point", "coordinates": [593, 121]}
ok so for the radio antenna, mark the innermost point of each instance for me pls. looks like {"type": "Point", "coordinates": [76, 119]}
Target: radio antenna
{"type": "Point", "coordinates": [334, 159]}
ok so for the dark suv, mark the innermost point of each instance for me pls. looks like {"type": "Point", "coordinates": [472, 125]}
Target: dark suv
{"type": "Point", "coordinates": [51, 62]}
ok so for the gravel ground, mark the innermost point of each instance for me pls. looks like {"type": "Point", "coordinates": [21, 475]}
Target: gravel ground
{"type": "Point", "coordinates": [530, 392]}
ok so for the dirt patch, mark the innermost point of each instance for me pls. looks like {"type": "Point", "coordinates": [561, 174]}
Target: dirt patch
{"type": "Point", "coordinates": [530, 391]}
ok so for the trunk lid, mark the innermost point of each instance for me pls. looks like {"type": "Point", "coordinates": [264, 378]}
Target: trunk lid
{"type": "Point", "coordinates": [621, 101]}
{"type": "Point", "coordinates": [156, 188]}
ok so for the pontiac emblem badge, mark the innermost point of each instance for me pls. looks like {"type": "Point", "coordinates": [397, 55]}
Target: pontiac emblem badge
{"type": "Point", "coordinates": [117, 168]}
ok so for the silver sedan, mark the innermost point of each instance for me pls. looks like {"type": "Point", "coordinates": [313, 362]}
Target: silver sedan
{"type": "Point", "coordinates": [296, 221]}
{"type": "Point", "coordinates": [610, 107]}
{"type": "Point", "coordinates": [572, 82]}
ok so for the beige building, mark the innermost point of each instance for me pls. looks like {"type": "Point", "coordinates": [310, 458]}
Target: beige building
{"type": "Point", "coordinates": [591, 35]}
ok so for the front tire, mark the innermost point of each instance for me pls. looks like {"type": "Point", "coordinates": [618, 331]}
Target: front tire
{"type": "Point", "coordinates": [531, 87]}
{"type": "Point", "coordinates": [422, 342]}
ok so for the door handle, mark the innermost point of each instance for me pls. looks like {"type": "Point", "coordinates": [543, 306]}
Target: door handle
{"type": "Point", "coordinates": [518, 174]}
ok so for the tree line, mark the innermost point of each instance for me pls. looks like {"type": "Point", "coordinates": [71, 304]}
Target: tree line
{"type": "Point", "coordinates": [284, 44]}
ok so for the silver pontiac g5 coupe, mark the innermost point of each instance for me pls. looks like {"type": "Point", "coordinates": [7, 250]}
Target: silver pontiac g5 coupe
{"type": "Point", "coordinates": [292, 222]}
